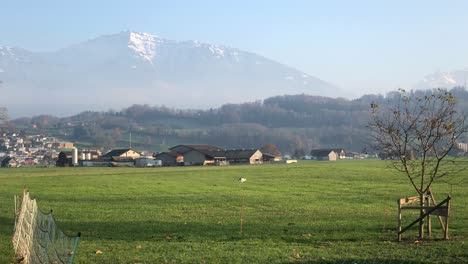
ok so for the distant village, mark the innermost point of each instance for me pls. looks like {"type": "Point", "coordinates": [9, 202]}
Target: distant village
{"type": "Point", "coordinates": [38, 150]}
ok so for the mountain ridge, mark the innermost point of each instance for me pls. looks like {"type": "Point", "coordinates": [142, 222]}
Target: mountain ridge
{"type": "Point", "coordinates": [140, 68]}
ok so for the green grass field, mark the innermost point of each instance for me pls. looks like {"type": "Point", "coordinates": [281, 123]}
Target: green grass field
{"type": "Point", "coordinates": [310, 212]}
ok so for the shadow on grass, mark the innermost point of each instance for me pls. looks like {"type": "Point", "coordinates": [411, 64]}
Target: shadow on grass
{"type": "Point", "coordinates": [308, 240]}
{"type": "Point", "coordinates": [178, 231]}
{"type": "Point", "coordinates": [7, 226]}
{"type": "Point", "coordinates": [190, 232]}
{"type": "Point", "coordinates": [162, 231]}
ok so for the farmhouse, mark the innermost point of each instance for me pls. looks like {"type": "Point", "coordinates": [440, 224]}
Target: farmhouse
{"type": "Point", "coordinates": [92, 158]}
{"type": "Point", "coordinates": [204, 157]}
{"type": "Point", "coordinates": [90, 155]}
{"type": "Point", "coordinates": [182, 149]}
{"type": "Point", "coordinates": [170, 158]}
{"type": "Point", "coordinates": [353, 155]}
{"type": "Point", "coordinates": [244, 156]}
{"type": "Point", "coordinates": [199, 154]}
{"type": "Point", "coordinates": [147, 162]}
{"type": "Point", "coordinates": [222, 157]}
{"type": "Point", "coordinates": [328, 154]}
{"type": "Point", "coordinates": [202, 154]}
{"type": "Point", "coordinates": [120, 155]}
{"type": "Point", "coordinates": [9, 162]}
{"type": "Point", "coordinates": [268, 157]}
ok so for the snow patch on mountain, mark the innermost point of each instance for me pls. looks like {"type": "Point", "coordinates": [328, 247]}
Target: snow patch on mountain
{"type": "Point", "coordinates": [144, 45]}
{"type": "Point", "coordinates": [441, 79]}
{"type": "Point", "coordinates": [197, 43]}
{"type": "Point", "coordinates": [235, 56]}
{"type": "Point", "coordinates": [13, 55]}
{"type": "Point", "coordinates": [6, 51]}
{"type": "Point", "coordinates": [217, 51]}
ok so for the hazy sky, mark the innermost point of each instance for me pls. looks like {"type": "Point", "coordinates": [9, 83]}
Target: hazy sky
{"type": "Point", "coordinates": [361, 46]}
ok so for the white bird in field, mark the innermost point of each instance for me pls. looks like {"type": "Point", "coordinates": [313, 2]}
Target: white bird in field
{"type": "Point", "coordinates": [241, 179]}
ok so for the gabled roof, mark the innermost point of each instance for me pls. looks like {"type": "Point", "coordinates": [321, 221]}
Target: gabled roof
{"type": "Point", "coordinates": [116, 152]}
{"type": "Point", "coordinates": [212, 154]}
{"type": "Point", "coordinates": [240, 153]}
{"type": "Point", "coordinates": [269, 155]}
{"type": "Point", "coordinates": [198, 147]}
{"type": "Point", "coordinates": [228, 153]}
{"type": "Point", "coordinates": [169, 153]}
{"type": "Point", "coordinates": [323, 152]}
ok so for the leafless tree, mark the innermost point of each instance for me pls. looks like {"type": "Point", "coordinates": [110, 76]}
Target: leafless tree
{"type": "Point", "coordinates": [4, 124]}
{"type": "Point", "coordinates": [4, 121]}
{"type": "Point", "coordinates": [3, 114]}
{"type": "Point", "coordinates": [416, 134]}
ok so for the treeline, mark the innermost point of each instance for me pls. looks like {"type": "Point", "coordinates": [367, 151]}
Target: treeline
{"type": "Point", "coordinates": [295, 123]}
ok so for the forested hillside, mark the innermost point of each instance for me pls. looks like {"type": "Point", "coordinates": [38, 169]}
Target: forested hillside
{"type": "Point", "coordinates": [294, 123]}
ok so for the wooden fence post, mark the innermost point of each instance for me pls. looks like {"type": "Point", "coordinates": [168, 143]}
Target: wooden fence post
{"type": "Point", "coordinates": [399, 219]}
{"type": "Point", "coordinates": [447, 218]}
{"type": "Point", "coordinates": [429, 227]}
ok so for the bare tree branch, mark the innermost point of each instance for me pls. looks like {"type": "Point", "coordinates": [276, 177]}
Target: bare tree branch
{"type": "Point", "coordinates": [428, 126]}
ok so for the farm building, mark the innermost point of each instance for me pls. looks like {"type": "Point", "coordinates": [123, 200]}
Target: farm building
{"type": "Point", "coordinates": [202, 154]}
{"type": "Point", "coordinates": [327, 154]}
{"type": "Point", "coordinates": [170, 158]}
{"type": "Point", "coordinates": [204, 157]}
{"type": "Point", "coordinates": [182, 149]}
{"type": "Point", "coordinates": [267, 157]}
{"type": "Point", "coordinates": [121, 155]}
{"type": "Point", "coordinates": [90, 155]}
{"type": "Point", "coordinates": [147, 162]}
{"type": "Point", "coordinates": [353, 155]}
{"type": "Point", "coordinates": [9, 162]}
{"type": "Point", "coordinates": [199, 154]}
{"type": "Point", "coordinates": [244, 156]}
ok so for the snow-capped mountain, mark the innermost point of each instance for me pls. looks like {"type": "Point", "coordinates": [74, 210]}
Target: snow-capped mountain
{"type": "Point", "coordinates": [441, 79]}
{"type": "Point", "coordinates": [13, 59]}
{"type": "Point", "coordinates": [114, 71]}
{"type": "Point", "coordinates": [144, 45]}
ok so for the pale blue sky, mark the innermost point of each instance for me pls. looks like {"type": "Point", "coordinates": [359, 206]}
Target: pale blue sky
{"type": "Point", "coordinates": [361, 46]}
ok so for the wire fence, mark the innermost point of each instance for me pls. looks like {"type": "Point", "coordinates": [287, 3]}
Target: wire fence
{"type": "Point", "coordinates": [37, 237]}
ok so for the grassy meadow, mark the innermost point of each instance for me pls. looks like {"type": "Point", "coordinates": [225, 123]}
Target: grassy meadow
{"type": "Point", "coordinates": [310, 212]}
